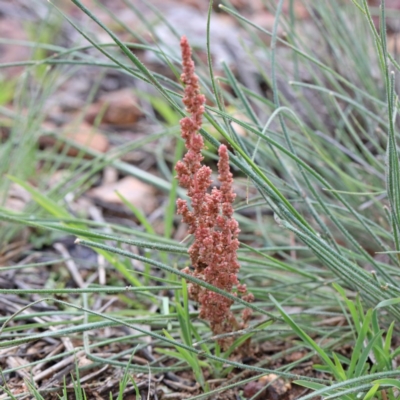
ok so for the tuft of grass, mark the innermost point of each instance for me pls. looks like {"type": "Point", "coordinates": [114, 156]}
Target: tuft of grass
{"type": "Point", "coordinates": [318, 175]}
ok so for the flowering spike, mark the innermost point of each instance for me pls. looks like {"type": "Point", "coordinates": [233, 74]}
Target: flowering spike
{"type": "Point", "coordinates": [214, 251]}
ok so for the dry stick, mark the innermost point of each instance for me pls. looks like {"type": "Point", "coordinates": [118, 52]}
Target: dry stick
{"type": "Point", "coordinates": [97, 216]}
{"type": "Point", "coordinates": [93, 374]}
{"type": "Point", "coordinates": [70, 264]}
{"type": "Point", "coordinates": [13, 249]}
{"type": "Point", "coordinates": [15, 362]}
{"type": "Point", "coordinates": [38, 367]}
{"type": "Point", "coordinates": [56, 367]}
{"type": "Point", "coordinates": [67, 343]}
{"type": "Point", "coordinates": [28, 259]}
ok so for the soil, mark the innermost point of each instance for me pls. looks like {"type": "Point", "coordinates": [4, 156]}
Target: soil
{"type": "Point", "coordinates": [115, 117]}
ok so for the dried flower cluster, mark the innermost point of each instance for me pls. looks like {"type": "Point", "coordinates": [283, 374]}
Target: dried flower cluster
{"type": "Point", "coordinates": [214, 251]}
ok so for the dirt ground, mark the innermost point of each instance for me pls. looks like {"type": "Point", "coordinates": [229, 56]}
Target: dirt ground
{"type": "Point", "coordinates": [115, 116]}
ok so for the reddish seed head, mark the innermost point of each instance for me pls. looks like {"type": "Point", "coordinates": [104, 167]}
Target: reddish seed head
{"type": "Point", "coordinates": [213, 253]}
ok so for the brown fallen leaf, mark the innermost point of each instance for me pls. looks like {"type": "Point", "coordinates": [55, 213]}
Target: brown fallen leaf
{"type": "Point", "coordinates": [266, 20]}
{"type": "Point", "coordinates": [239, 129]}
{"type": "Point", "coordinates": [140, 194]}
{"type": "Point", "coordinates": [392, 24]}
{"type": "Point", "coordinates": [393, 43]}
{"type": "Point", "coordinates": [275, 391]}
{"type": "Point", "coordinates": [86, 135]}
{"type": "Point", "coordinates": [296, 356]}
{"type": "Point", "coordinates": [83, 135]}
{"type": "Point", "coordinates": [299, 9]}
{"type": "Point", "coordinates": [17, 198]}
{"type": "Point", "coordinates": [119, 108]}
{"type": "Point", "coordinates": [12, 29]}
{"type": "Point", "coordinates": [389, 4]}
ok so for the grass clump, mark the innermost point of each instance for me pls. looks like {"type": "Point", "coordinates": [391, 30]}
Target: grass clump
{"type": "Point", "coordinates": [310, 121]}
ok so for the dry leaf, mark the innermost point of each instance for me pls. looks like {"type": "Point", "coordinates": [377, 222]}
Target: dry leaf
{"type": "Point", "coordinates": [140, 194]}
{"type": "Point", "coordinates": [17, 198]}
{"type": "Point", "coordinates": [83, 135]}
{"type": "Point", "coordinates": [299, 9]}
{"type": "Point", "coordinates": [13, 30]}
{"type": "Point", "coordinates": [275, 391]}
{"type": "Point", "coordinates": [119, 108]}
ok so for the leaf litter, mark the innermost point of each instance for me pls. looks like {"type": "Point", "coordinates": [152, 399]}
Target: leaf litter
{"type": "Point", "coordinates": [113, 113]}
